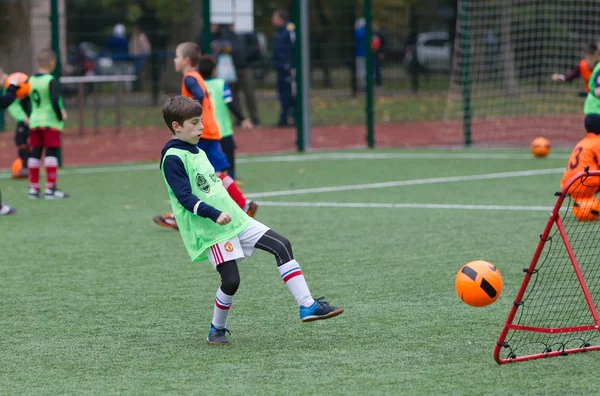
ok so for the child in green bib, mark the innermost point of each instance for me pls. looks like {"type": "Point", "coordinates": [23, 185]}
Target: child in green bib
{"type": "Point", "coordinates": [5, 101]}
{"type": "Point", "coordinates": [214, 227]}
{"type": "Point", "coordinates": [46, 123]}
{"type": "Point", "coordinates": [223, 103]}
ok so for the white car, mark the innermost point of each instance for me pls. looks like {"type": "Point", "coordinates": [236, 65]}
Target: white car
{"type": "Point", "coordinates": [433, 52]}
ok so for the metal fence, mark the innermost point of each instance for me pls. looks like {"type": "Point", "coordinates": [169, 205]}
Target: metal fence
{"type": "Point", "coordinates": [411, 49]}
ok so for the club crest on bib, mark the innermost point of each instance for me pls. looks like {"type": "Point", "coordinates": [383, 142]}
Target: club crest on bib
{"type": "Point", "coordinates": [202, 183]}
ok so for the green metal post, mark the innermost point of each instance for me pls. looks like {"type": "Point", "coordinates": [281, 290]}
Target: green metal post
{"type": "Point", "coordinates": [55, 29]}
{"type": "Point", "coordinates": [369, 108]}
{"type": "Point", "coordinates": [299, 108]}
{"type": "Point", "coordinates": [54, 21]}
{"type": "Point", "coordinates": [1, 120]}
{"type": "Point", "coordinates": [465, 45]}
{"type": "Point", "coordinates": [206, 34]}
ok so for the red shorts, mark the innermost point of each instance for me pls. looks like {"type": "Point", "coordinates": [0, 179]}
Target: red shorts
{"type": "Point", "coordinates": [44, 137]}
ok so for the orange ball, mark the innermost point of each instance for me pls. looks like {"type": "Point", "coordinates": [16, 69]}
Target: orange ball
{"type": "Point", "coordinates": [23, 86]}
{"type": "Point", "coordinates": [540, 147]}
{"type": "Point", "coordinates": [17, 165]}
{"type": "Point", "coordinates": [478, 283]}
{"type": "Point", "coordinates": [586, 209]}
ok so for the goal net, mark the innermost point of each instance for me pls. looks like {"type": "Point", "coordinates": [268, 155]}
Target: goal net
{"type": "Point", "coordinates": [555, 311]}
{"type": "Point", "coordinates": [504, 55]}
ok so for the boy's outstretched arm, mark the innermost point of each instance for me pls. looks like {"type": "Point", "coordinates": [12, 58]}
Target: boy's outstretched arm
{"type": "Point", "coordinates": [572, 75]}
{"type": "Point", "coordinates": [178, 181]}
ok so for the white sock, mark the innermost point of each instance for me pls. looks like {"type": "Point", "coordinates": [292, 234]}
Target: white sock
{"type": "Point", "coordinates": [222, 305]}
{"type": "Point", "coordinates": [33, 164]}
{"type": "Point", "coordinates": [292, 276]}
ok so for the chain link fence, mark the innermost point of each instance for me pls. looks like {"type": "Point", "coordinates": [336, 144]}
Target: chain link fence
{"type": "Point", "coordinates": [411, 44]}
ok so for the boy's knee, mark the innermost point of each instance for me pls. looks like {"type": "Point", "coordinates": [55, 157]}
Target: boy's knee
{"type": "Point", "coordinates": [283, 247]}
{"type": "Point", "coordinates": [230, 283]}
{"type": "Point", "coordinates": [287, 245]}
{"type": "Point", "coordinates": [277, 245]}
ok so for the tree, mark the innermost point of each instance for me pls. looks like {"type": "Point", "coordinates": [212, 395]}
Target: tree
{"type": "Point", "coordinates": [165, 10]}
{"type": "Point", "coordinates": [15, 37]}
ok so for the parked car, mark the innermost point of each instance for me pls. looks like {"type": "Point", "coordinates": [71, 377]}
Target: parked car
{"type": "Point", "coordinates": [432, 50]}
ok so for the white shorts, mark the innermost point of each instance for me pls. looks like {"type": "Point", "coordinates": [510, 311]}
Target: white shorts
{"type": "Point", "coordinates": [238, 247]}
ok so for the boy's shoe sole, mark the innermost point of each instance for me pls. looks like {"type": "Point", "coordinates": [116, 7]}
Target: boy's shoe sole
{"type": "Point", "coordinates": [216, 343]}
{"type": "Point", "coordinates": [322, 317]}
{"type": "Point", "coordinates": [252, 209]}
{"type": "Point", "coordinates": [54, 195]}
{"type": "Point", "coordinates": [11, 211]}
{"type": "Point", "coordinates": [162, 221]}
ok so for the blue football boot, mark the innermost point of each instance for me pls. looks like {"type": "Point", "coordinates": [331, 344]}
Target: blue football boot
{"type": "Point", "coordinates": [319, 310]}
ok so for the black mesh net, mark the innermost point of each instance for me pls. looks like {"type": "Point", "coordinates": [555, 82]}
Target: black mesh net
{"type": "Point", "coordinates": [553, 309]}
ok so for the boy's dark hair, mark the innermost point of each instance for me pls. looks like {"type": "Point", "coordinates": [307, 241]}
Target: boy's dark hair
{"type": "Point", "coordinates": [190, 50]}
{"type": "Point", "coordinates": [592, 123]}
{"type": "Point", "coordinates": [206, 66]}
{"type": "Point", "coordinates": [283, 15]}
{"type": "Point", "coordinates": [179, 109]}
{"type": "Point", "coordinates": [45, 57]}
{"type": "Point", "coordinates": [591, 48]}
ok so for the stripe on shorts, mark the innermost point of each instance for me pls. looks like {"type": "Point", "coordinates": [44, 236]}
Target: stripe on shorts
{"type": "Point", "coordinates": [216, 252]}
{"type": "Point", "coordinates": [294, 272]}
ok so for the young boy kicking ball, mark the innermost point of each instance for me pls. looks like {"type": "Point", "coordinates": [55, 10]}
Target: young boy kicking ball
{"type": "Point", "coordinates": [213, 226]}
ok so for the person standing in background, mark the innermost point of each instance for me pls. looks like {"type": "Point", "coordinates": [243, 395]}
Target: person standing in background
{"type": "Point", "coordinates": [222, 52]}
{"type": "Point", "coordinates": [139, 49]}
{"type": "Point", "coordinates": [244, 50]}
{"type": "Point", "coordinates": [378, 46]}
{"type": "Point", "coordinates": [283, 63]}
{"type": "Point", "coordinates": [360, 52]}
{"type": "Point", "coordinates": [117, 46]}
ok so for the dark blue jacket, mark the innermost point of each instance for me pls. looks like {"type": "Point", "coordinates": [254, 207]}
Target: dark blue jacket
{"type": "Point", "coordinates": [179, 181]}
{"type": "Point", "coordinates": [118, 48]}
{"type": "Point", "coordinates": [283, 49]}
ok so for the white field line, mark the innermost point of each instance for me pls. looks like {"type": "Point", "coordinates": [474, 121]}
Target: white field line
{"type": "Point", "coordinates": [311, 157]}
{"type": "Point", "coordinates": [404, 206]}
{"type": "Point", "coordinates": [375, 156]}
{"type": "Point", "coordinates": [434, 180]}
{"type": "Point", "coordinates": [101, 169]}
